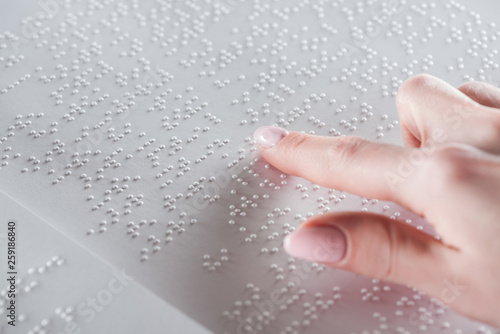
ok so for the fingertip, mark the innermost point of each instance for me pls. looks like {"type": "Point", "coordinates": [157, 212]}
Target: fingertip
{"type": "Point", "coordinates": [323, 244]}
{"type": "Point", "coordinates": [268, 136]}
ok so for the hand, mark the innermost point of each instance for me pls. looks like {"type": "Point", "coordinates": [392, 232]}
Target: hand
{"type": "Point", "coordinates": [448, 172]}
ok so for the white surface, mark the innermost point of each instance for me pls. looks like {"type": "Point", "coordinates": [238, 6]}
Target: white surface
{"type": "Point", "coordinates": [158, 97]}
{"type": "Point", "coordinates": [57, 275]}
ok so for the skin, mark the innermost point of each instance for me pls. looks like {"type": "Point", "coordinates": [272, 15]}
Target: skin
{"type": "Point", "coordinates": [452, 149]}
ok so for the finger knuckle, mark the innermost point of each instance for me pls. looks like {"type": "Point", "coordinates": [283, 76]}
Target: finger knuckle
{"type": "Point", "coordinates": [411, 86]}
{"type": "Point", "coordinates": [471, 87]}
{"type": "Point", "coordinates": [399, 244]}
{"type": "Point", "coordinates": [450, 163]}
{"type": "Point", "coordinates": [341, 151]}
{"type": "Point", "coordinates": [385, 266]}
{"type": "Point", "coordinates": [385, 270]}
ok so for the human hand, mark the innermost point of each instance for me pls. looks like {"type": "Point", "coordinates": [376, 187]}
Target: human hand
{"type": "Point", "coordinates": [448, 172]}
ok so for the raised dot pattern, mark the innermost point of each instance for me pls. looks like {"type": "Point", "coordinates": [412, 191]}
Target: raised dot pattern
{"type": "Point", "coordinates": [134, 120]}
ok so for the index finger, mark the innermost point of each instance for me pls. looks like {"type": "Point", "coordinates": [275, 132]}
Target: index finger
{"type": "Point", "coordinates": [346, 163]}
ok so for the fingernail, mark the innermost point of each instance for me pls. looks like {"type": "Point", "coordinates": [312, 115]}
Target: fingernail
{"type": "Point", "coordinates": [268, 136]}
{"type": "Point", "coordinates": [325, 244]}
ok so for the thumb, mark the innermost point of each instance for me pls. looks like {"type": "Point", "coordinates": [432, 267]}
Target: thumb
{"type": "Point", "coordinates": [375, 246]}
